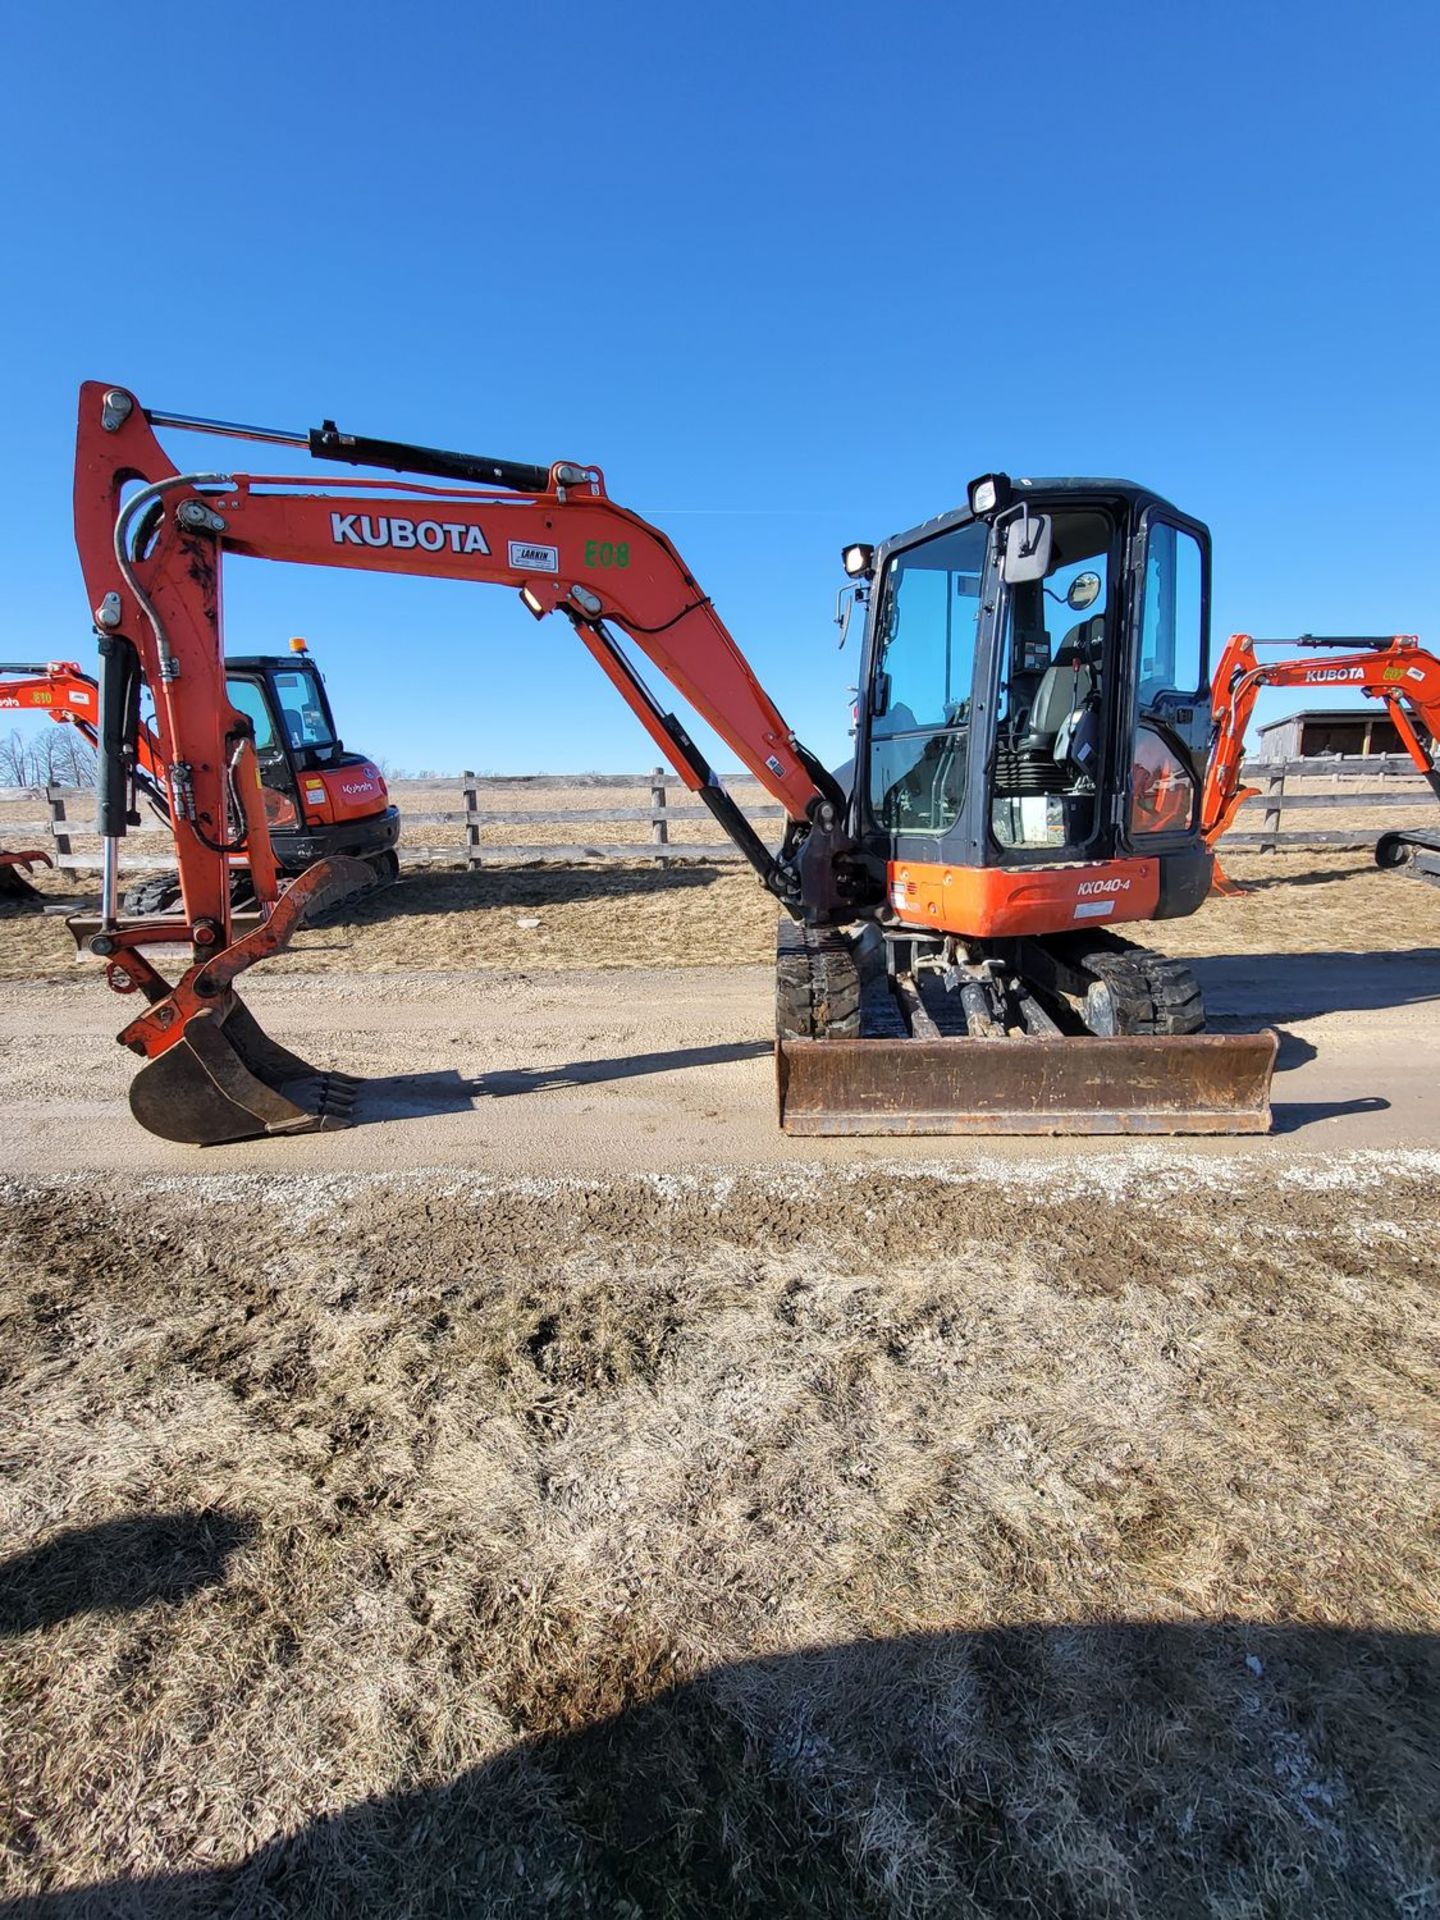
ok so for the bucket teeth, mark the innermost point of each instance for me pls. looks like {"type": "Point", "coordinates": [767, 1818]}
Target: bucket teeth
{"type": "Point", "coordinates": [338, 1093]}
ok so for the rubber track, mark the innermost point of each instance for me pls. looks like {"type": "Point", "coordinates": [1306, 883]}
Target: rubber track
{"type": "Point", "coordinates": [1152, 994]}
{"type": "Point", "coordinates": [817, 984]}
{"type": "Point", "coordinates": [160, 894]}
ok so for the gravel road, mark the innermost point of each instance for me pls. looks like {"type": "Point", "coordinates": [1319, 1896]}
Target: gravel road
{"type": "Point", "coordinates": [642, 1071]}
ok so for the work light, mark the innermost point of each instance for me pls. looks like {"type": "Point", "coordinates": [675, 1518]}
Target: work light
{"type": "Point", "coordinates": [858, 560]}
{"type": "Point", "coordinates": [989, 493]}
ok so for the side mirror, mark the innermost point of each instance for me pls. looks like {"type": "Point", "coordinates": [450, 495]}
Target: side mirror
{"type": "Point", "coordinates": [1029, 540]}
{"type": "Point", "coordinates": [849, 597]}
{"type": "Point", "coordinates": [1084, 592]}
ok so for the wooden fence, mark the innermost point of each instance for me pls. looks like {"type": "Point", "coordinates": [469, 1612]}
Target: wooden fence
{"type": "Point", "coordinates": [658, 816]}
{"type": "Point", "coordinates": [70, 815]}
{"type": "Point", "coordinates": [1279, 800]}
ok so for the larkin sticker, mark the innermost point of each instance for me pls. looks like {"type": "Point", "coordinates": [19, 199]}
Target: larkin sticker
{"type": "Point", "coordinates": [533, 559]}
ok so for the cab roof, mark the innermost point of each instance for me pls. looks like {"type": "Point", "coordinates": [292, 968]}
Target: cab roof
{"type": "Point", "coordinates": [1084, 486]}
{"type": "Point", "coordinates": [264, 662]}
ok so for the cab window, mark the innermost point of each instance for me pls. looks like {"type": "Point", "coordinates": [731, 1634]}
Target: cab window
{"type": "Point", "coordinates": [1054, 665]}
{"type": "Point", "coordinates": [1170, 686]}
{"type": "Point", "coordinates": [250, 700]}
{"type": "Point", "coordinates": [302, 710]}
{"type": "Point", "coordinates": [924, 673]}
{"type": "Point", "coordinates": [1172, 637]}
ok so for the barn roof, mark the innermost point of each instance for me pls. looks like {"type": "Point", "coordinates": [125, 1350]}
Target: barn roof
{"type": "Point", "coordinates": [1375, 711]}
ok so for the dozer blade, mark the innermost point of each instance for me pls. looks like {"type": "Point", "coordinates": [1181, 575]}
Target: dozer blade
{"type": "Point", "coordinates": [1206, 1083]}
{"type": "Point", "coordinates": [223, 1078]}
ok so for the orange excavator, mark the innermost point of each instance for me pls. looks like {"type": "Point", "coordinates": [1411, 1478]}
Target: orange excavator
{"type": "Point", "coordinates": [59, 689]}
{"type": "Point", "coordinates": [1392, 668]}
{"type": "Point", "coordinates": [319, 798]}
{"type": "Point", "coordinates": [947, 960]}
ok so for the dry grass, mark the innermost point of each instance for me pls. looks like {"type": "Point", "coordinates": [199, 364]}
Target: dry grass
{"type": "Point", "coordinates": [692, 915]}
{"type": "Point", "coordinates": [880, 1543]}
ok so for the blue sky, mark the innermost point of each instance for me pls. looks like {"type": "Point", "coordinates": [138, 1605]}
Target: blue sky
{"type": "Point", "coordinates": [791, 275]}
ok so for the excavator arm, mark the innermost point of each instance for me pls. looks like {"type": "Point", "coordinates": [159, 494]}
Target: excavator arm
{"type": "Point", "coordinates": [1396, 670]}
{"type": "Point", "coordinates": [152, 543]}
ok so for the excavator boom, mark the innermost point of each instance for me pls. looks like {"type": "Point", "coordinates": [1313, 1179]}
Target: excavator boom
{"type": "Point", "coordinates": [152, 560]}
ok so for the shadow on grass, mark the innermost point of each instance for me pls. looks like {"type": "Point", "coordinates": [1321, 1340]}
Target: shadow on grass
{"type": "Point", "coordinates": [117, 1566]}
{"type": "Point", "coordinates": [1315, 877]}
{"type": "Point", "coordinates": [1064, 1770]}
{"type": "Point", "coordinates": [421, 892]}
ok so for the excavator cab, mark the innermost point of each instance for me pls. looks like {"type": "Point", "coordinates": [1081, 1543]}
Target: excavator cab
{"type": "Point", "coordinates": [319, 798]}
{"type": "Point", "coordinates": [1017, 719]}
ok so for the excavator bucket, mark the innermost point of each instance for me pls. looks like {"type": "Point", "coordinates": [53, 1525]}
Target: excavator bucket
{"type": "Point", "coordinates": [224, 1079]}
{"type": "Point", "coordinates": [14, 887]}
{"type": "Point", "coordinates": [1205, 1083]}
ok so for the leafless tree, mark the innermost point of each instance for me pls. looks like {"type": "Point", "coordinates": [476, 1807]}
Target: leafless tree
{"type": "Point", "coordinates": [52, 757]}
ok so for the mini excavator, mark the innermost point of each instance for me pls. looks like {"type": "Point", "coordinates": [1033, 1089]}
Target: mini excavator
{"type": "Point", "coordinates": [1032, 738]}
{"type": "Point", "coordinates": [319, 798]}
{"type": "Point", "coordinates": [1392, 668]}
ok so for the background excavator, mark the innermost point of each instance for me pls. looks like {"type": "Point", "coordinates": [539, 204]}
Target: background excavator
{"type": "Point", "coordinates": [320, 798]}
{"type": "Point", "coordinates": [1394, 669]}
{"type": "Point", "coordinates": [947, 963]}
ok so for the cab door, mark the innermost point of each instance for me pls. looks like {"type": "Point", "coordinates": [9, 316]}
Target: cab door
{"type": "Point", "coordinates": [1170, 712]}
{"type": "Point", "coordinates": [924, 661]}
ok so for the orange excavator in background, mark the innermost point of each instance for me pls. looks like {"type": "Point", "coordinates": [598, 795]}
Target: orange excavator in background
{"type": "Point", "coordinates": [60, 689]}
{"type": "Point", "coordinates": [1394, 669]}
{"type": "Point", "coordinates": [947, 962]}
{"type": "Point", "coordinates": [319, 798]}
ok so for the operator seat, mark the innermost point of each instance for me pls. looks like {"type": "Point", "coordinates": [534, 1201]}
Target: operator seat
{"type": "Point", "coordinates": [1065, 685]}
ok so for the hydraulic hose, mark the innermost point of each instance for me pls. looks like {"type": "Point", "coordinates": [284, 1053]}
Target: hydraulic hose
{"type": "Point", "coordinates": [134, 505]}
{"type": "Point", "coordinates": [142, 504]}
